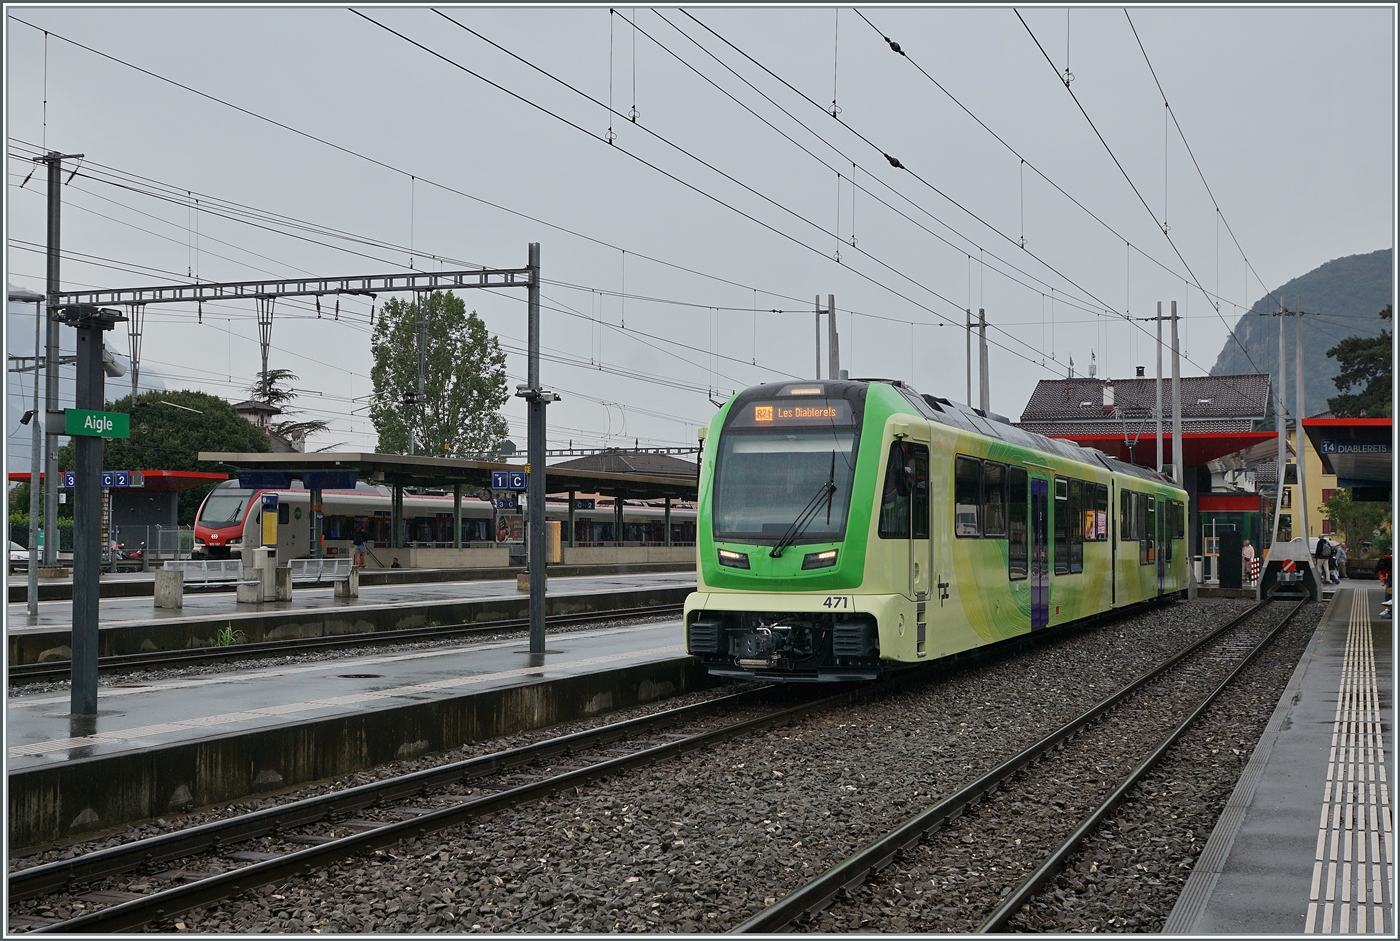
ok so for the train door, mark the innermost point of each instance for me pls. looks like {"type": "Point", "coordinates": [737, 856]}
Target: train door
{"type": "Point", "coordinates": [905, 515]}
{"type": "Point", "coordinates": [1163, 545]}
{"type": "Point", "coordinates": [1113, 541]}
{"type": "Point", "coordinates": [1040, 553]}
{"type": "Point", "coordinates": [915, 460]}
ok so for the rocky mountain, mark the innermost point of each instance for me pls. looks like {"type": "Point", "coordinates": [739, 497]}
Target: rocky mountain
{"type": "Point", "coordinates": [1340, 299]}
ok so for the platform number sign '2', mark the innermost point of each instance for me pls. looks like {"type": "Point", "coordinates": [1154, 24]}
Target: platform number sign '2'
{"type": "Point", "coordinates": [110, 480]}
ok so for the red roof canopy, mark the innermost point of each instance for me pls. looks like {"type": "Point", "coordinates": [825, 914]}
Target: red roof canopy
{"type": "Point", "coordinates": [1198, 448]}
{"type": "Point", "coordinates": [160, 481]}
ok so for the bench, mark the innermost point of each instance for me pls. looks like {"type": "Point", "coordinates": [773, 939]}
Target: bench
{"type": "Point", "coordinates": [207, 571]}
{"type": "Point", "coordinates": [172, 577]}
{"type": "Point", "coordinates": [340, 571]}
{"type": "Point", "coordinates": [319, 570]}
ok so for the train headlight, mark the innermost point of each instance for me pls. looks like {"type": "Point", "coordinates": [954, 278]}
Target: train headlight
{"type": "Point", "coordinates": [819, 560]}
{"type": "Point", "coordinates": [236, 541]}
{"type": "Point", "coordinates": [738, 560]}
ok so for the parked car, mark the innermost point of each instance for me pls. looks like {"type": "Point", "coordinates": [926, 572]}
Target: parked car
{"type": "Point", "coordinates": [19, 558]}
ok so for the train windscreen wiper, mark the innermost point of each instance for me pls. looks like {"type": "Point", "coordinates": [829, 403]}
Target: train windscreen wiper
{"type": "Point", "coordinates": [809, 512]}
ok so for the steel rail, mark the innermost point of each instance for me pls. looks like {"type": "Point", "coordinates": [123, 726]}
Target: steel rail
{"type": "Point", "coordinates": [60, 669]}
{"type": "Point", "coordinates": [174, 901]}
{"type": "Point", "coordinates": [100, 864]}
{"type": "Point", "coordinates": [1055, 862]}
{"type": "Point", "coordinates": [852, 871]}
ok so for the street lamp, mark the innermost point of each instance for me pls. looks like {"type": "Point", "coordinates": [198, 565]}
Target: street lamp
{"type": "Point", "coordinates": [36, 438]}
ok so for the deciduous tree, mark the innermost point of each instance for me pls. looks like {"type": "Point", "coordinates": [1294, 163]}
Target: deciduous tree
{"type": "Point", "coordinates": [464, 380]}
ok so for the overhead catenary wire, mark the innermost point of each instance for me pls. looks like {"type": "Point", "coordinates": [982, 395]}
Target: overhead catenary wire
{"type": "Point", "coordinates": [694, 188]}
{"type": "Point", "coordinates": [853, 198]}
{"type": "Point", "coordinates": [899, 165]}
{"type": "Point", "coordinates": [1220, 216]}
{"type": "Point", "coordinates": [565, 230]}
{"type": "Point", "coordinates": [387, 166]}
{"type": "Point", "coordinates": [904, 53]}
{"type": "Point", "coordinates": [845, 157]}
{"type": "Point", "coordinates": [1160, 224]}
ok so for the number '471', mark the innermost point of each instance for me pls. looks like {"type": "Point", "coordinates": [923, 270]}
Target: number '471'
{"type": "Point", "coordinates": [837, 601]}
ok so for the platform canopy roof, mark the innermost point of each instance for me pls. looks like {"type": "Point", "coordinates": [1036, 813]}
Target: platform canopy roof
{"type": "Point", "coordinates": [1359, 451]}
{"type": "Point", "coordinates": [433, 472]}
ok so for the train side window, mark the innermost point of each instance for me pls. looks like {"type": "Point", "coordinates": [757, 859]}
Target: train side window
{"type": "Point", "coordinates": [1100, 512]}
{"type": "Point", "coordinates": [1180, 531]}
{"type": "Point", "coordinates": [284, 514]}
{"type": "Point", "coordinates": [1125, 516]}
{"type": "Point", "coordinates": [1074, 521]}
{"type": "Point", "coordinates": [1062, 527]}
{"type": "Point", "coordinates": [967, 496]}
{"type": "Point", "coordinates": [895, 506]}
{"type": "Point", "coordinates": [1017, 519]}
{"type": "Point", "coordinates": [921, 490]}
{"type": "Point", "coordinates": [993, 499]}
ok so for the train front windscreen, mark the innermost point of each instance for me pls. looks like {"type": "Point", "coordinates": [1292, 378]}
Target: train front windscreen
{"type": "Point", "coordinates": [782, 459]}
{"type": "Point", "coordinates": [224, 508]}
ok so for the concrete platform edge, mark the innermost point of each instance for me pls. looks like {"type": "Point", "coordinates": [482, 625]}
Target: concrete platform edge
{"type": "Point", "coordinates": [1200, 885]}
{"type": "Point", "coordinates": [138, 588]}
{"type": "Point", "coordinates": [47, 803]}
{"type": "Point", "coordinates": [348, 617]}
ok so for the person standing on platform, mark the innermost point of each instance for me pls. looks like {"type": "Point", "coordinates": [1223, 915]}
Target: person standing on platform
{"type": "Point", "coordinates": [1383, 572]}
{"type": "Point", "coordinates": [1322, 554]}
{"type": "Point", "coordinates": [361, 542]}
{"type": "Point", "coordinates": [1247, 560]}
{"type": "Point", "coordinates": [1339, 562]}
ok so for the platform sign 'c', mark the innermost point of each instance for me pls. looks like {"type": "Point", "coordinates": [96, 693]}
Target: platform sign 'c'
{"type": "Point", "coordinates": [509, 480]}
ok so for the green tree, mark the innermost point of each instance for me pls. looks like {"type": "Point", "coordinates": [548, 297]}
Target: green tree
{"type": "Point", "coordinates": [464, 380]}
{"type": "Point", "coordinates": [166, 437]}
{"type": "Point", "coordinates": [1357, 522]}
{"type": "Point", "coordinates": [1365, 362]}
{"type": "Point", "coordinates": [274, 389]}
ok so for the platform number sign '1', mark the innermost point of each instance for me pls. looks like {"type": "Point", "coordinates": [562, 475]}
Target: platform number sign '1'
{"type": "Point", "coordinates": [509, 480]}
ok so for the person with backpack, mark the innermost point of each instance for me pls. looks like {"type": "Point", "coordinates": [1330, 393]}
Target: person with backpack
{"type": "Point", "coordinates": [1322, 554]}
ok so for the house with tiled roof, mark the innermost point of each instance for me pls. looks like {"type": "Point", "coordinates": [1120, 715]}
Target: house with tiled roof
{"type": "Point", "coordinates": [1226, 428]}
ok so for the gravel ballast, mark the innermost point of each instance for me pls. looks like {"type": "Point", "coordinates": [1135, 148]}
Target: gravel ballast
{"type": "Point", "coordinates": [703, 842]}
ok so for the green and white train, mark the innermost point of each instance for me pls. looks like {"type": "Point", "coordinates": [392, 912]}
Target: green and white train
{"type": "Point", "coordinates": [847, 529]}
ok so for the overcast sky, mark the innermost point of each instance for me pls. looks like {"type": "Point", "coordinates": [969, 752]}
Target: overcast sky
{"type": "Point", "coordinates": [1288, 112]}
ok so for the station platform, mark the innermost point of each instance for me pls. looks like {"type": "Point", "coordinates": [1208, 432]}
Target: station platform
{"type": "Point", "coordinates": [1305, 844]}
{"type": "Point", "coordinates": [136, 584]}
{"type": "Point", "coordinates": [131, 625]}
{"type": "Point", "coordinates": [160, 747]}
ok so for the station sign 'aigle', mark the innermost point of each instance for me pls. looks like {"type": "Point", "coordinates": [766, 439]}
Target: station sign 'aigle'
{"type": "Point", "coordinates": [77, 421]}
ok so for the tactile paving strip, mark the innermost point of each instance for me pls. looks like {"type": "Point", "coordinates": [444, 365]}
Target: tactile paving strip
{"type": "Point", "coordinates": [1351, 887]}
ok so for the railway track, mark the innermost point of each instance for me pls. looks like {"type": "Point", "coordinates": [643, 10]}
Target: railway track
{"type": "Point", "coordinates": [195, 656]}
{"type": "Point", "coordinates": [216, 861]}
{"type": "Point", "coordinates": [841, 898]}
